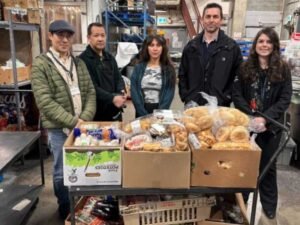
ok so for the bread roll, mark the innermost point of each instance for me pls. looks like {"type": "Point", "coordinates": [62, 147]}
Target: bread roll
{"type": "Point", "coordinates": [152, 147]}
{"type": "Point", "coordinates": [207, 137]}
{"type": "Point", "coordinates": [223, 133]}
{"type": "Point", "coordinates": [226, 117]}
{"type": "Point", "coordinates": [192, 127]}
{"type": "Point", "coordinates": [204, 122]}
{"type": "Point", "coordinates": [197, 111]}
{"type": "Point", "coordinates": [241, 118]}
{"type": "Point", "coordinates": [239, 134]}
{"type": "Point", "coordinates": [232, 146]}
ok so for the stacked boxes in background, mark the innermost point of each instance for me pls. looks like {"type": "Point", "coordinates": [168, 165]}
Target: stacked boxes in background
{"type": "Point", "coordinates": [24, 11]}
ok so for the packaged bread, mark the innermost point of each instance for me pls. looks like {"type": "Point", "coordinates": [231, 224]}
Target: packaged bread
{"type": "Point", "coordinates": [190, 124]}
{"type": "Point", "coordinates": [207, 137]}
{"type": "Point", "coordinates": [225, 116]}
{"type": "Point", "coordinates": [136, 126]}
{"type": "Point", "coordinates": [197, 112]}
{"type": "Point", "coordinates": [152, 147]}
{"type": "Point", "coordinates": [223, 133]}
{"type": "Point", "coordinates": [204, 122]}
{"type": "Point", "coordinates": [227, 145]}
{"type": "Point", "coordinates": [239, 134]}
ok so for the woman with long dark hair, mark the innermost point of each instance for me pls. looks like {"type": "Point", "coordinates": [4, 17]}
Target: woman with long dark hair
{"type": "Point", "coordinates": [153, 78]}
{"type": "Point", "coordinates": [264, 84]}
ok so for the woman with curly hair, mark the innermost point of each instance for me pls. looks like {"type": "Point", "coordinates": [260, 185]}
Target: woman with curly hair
{"type": "Point", "coordinates": [153, 79]}
{"type": "Point", "coordinates": [264, 84]}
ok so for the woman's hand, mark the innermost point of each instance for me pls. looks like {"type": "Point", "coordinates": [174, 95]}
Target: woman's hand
{"type": "Point", "coordinates": [258, 124]}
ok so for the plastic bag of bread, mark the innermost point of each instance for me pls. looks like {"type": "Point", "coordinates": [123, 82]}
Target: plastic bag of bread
{"type": "Point", "coordinates": [139, 125]}
{"type": "Point", "coordinates": [206, 138]}
{"type": "Point", "coordinates": [228, 145]}
{"type": "Point", "coordinates": [166, 116]}
{"type": "Point", "coordinates": [202, 119]}
{"type": "Point", "coordinates": [179, 135]}
{"type": "Point", "coordinates": [239, 134]}
{"type": "Point", "coordinates": [136, 141]}
{"type": "Point", "coordinates": [225, 116]}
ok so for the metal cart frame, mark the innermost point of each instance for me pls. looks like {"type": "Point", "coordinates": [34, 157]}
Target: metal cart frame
{"type": "Point", "coordinates": [119, 191]}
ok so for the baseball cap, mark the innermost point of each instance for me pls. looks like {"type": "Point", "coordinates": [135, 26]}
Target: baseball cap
{"type": "Point", "coordinates": [60, 25]}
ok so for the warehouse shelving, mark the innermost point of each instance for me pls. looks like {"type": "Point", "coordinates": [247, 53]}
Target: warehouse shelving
{"type": "Point", "coordinates": [126, 19]}
{"type": "Point", "coordinates": [15, 87]}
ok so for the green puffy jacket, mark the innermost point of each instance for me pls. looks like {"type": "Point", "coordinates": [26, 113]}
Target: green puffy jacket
{"type": "Point", "coordinates": [53, 96]}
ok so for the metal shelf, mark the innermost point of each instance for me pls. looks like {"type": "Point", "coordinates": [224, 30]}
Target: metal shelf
{"type": "Point", "coordinates": [19, 84]}
{"type": "Point", "coordinates": [11, 196]}
{"type": "Point", "coordinates": [109, 13]}
{"type": "Point", "coordinates": [12, 146]}
{"type": "Point", "coordinates": [11, 27]}
{"type": "Point", "coordinates": [20, 26]}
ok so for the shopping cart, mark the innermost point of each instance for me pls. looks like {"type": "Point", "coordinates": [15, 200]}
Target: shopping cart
{"type": "Point", "coordinates": [272, 160]}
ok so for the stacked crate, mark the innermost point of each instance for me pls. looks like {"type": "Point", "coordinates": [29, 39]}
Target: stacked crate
{"type": "Point", "coordinates": [24, 11]}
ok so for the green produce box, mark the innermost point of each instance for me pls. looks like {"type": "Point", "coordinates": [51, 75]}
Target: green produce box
{"type": "Point", "coordinates": [91, 165]}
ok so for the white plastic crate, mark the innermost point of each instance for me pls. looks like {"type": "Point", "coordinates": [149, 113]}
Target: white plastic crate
{"type": "Point", "coordinates": [168, 212]}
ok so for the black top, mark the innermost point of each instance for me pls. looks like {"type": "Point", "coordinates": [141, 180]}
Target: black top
{"type": "Point", "coordinates": [274, 97]}
{"type": "Point", "coordinates": [107, 80]}
{"type": "Point", "coordinates": [214, 77]}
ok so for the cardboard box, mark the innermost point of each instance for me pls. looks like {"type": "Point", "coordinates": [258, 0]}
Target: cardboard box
{"type": "Point", "coordinates": [28, 3]}
{"type": "Point", "coordinates": [7, 77]}
{"type": "Point", "coordinates": [34, 16]}
{"type": "Point", "coordinates": [79, 205]}
{"type": "Point", "coordinates": [21, 3]}
{"type": "Point", "coordinates": [87, 165]}
{"type": "Point", "coordinates": [225, 168]}
{"type": "Point", "coordinates": [156, 169]}
{"type": "Point", "coordinates": [10, 3]}
{"type": "Point", "coordinates": [18, 15]}
{"type": "Point", "coordinates": [204, 222]}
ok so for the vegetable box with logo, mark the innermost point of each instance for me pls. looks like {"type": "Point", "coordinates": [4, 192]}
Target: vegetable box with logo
{"type": "Point", "coordinates": [92, 155]}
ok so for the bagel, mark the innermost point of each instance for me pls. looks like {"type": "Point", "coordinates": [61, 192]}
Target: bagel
{"type": "Point", "coordinates": [223, 133]}
{"type": "Point", "coordinates": [232, 146]}
{"type": "Point", "coordinates": [239, 134]}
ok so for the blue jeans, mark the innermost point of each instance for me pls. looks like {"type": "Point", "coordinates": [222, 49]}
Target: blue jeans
{"type": "Point", "coordinates": [57, 140]}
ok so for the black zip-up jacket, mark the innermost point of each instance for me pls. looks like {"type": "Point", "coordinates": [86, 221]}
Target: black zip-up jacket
{"type": "Point", "coordinates": [216, 77]}
{"type": "Point", "coordinates": [276, 102]}
{"type": "Point", "coordinates": [107, 80]}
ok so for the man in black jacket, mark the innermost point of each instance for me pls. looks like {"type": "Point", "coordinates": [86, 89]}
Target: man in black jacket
{"type": "Point", "coordinates": [106, 77]}
{"type": "Point", "coordinates": [209, 62]}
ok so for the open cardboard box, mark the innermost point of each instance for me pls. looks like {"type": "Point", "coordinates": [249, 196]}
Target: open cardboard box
{"type": "Point", "coordinates": [225, 168]}
{"type": "Point", "coordinates": [7, 77]}
{"type": "Point", "coordinates": [92, 165]}
{"type": "Point", "coordinates": [79, 205]}
{"type": "Point", "coordinates": [156, 169]}
{"type": "Point", "coordinates": [23, 53]}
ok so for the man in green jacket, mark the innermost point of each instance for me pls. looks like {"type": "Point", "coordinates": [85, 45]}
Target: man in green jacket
{"type": "Point", "coordinates": [109, 85]}
{"type": "Point", "coordinates": [65, 96]}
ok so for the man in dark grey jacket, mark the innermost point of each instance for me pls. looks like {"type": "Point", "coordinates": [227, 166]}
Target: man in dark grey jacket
{"type": "Point", "coordinates": [209, 62]}
{"type": "Point", "coordinates": [109, 85]}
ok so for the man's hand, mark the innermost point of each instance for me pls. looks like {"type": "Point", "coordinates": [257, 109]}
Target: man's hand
{"type": "Point", "coordinates": [78, 122]}
{"type": "Point", "coordinates": [258, 124]}
{"type": "Point", "coordinates": [119, 100]}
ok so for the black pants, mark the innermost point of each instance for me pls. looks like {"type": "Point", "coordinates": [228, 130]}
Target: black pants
{"type": "Point", "coordinates": [269, 143]}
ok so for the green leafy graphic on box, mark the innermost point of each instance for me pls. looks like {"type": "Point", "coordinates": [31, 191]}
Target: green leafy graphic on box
{"type": "Point", "coordinates": [78, 159]}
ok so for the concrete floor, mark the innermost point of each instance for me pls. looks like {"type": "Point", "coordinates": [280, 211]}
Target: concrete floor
{"type": "Point", "coordinates": [46, 213]}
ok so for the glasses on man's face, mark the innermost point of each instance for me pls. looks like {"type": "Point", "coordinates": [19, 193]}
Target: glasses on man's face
{"type": "Point", "coordinates": [62, 35]}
